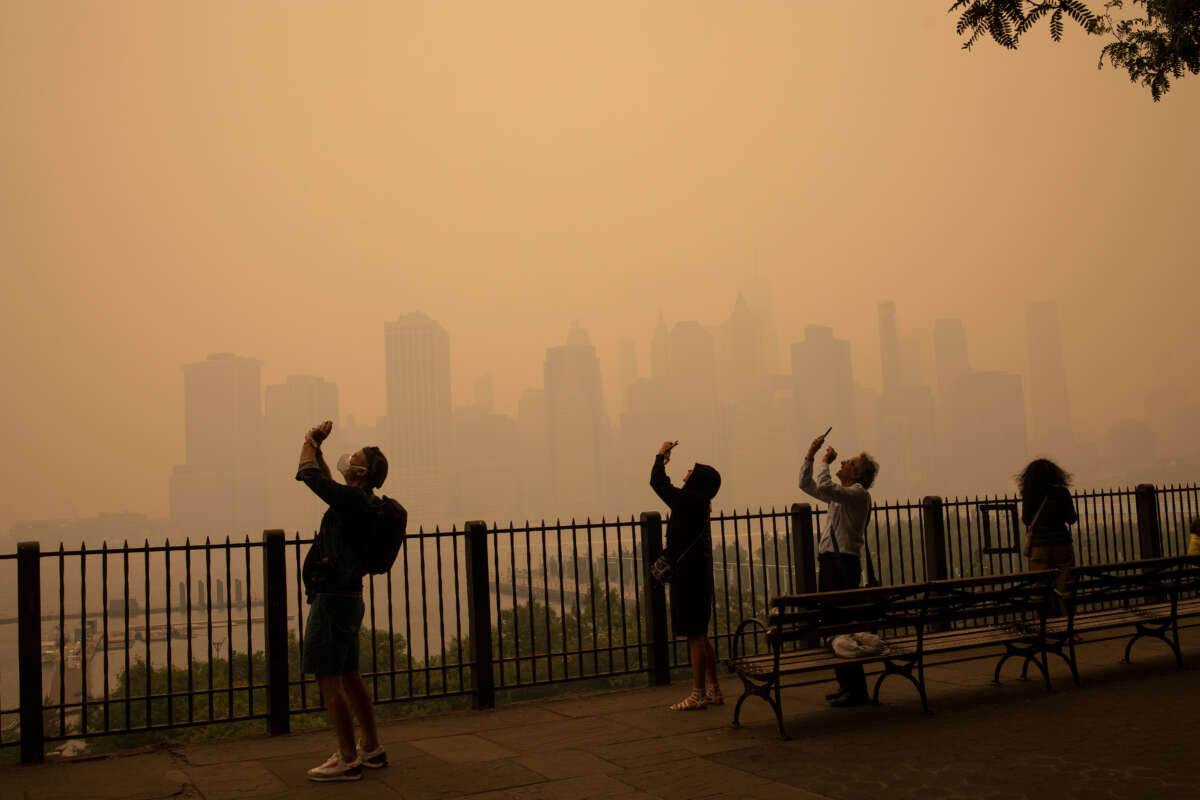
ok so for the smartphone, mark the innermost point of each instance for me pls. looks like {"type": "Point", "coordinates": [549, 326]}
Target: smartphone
{"type": "Point", "coordinates": [674, 444]}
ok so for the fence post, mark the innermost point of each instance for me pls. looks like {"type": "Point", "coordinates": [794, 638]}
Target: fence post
{"type": "Point", "coordinates": [934, 523]}
{"type": "Point", "coordinates": [1149, 530]}
{"type": "Point", "coordinates": [29, 651]}
{"type": "Point", "coordinates": [804, 550]}
{"type": "Point", "coordinates": [479, 615]}
{"type": "Point", "coordinates": [279, 720]}
{"type": "Point", "coordinates": [656, 601]}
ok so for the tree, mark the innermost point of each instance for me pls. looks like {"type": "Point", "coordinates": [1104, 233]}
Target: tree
{"type": "Point", "coordinates": [1155, 43]}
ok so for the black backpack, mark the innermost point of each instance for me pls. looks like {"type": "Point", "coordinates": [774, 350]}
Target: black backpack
{"type": "Point", "coordinates": [386, 536]}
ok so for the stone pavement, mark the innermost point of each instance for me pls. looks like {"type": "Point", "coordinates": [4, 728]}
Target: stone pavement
{"type": "Point", "coordinates": [1129, 732]}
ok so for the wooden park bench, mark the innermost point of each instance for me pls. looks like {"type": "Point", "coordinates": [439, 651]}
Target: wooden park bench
{"type": "Point", "coordinates": [1151, 596]}
{"type": "Point", "coordinates": [915, 620]}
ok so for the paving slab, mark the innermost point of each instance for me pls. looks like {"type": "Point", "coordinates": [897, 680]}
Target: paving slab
{"type": "Point", "coordinates": [463, 749]}
{"type": "Point", "coordinates": [137, 776]}
{"type": "Point", "coordinates": [431, 778]}
{"type": "Point", "coordinates": [562, 764]}
{"type": "Point", "coordinates": [599, 787]}
{"type": "Point", "coordinates": [244, 779]}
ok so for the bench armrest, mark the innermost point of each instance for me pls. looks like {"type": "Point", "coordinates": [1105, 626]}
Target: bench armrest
{"type": "Point", "coordinates": [737, 635]}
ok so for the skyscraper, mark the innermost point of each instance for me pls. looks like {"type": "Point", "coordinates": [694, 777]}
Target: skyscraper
{"type": "Point", "coordinates": [1051, 428]}
{"type": "Point", "coordinates": [691, 391]}
{"type": "Point", "coordinates": [420, 423]}
{"type": "Point", "coordinates": [290, 409]}
{"type": "Point", "coordinates": [575, 425]}
{"type": "Point", "coordinates": [823, 386]}
{"type": "Point", "coordinates": [949, 356]}
{"type": "Point", "coordinates": [893, 402]}
{"type": "Point", "coordinates": [988, 432]}
{"type": "Point", "coordinates": [220, 489]}
{"type": "Point", "coordinates": [660, 351]}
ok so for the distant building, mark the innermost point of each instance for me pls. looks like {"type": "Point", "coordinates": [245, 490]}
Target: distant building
{"type": "Point", "coordinates": [220, 490]}
{"type": "Point", "coordinates": [660, 351]}
{"type": "Point", "coordinates": [823, 387]}
{"type": "Point", "coordinates": [949, 356]}
{"type": "Point", "coordinates": [576, 427]}
{"type": "Point", "coordinates": [628, 371]}
{"type": "Point", "coordinates": [988, 432]}
{"type": "Point", "coordinates": [533, 455]}
{"type": "Point", "coordinates": [417, 361]}
{"type": "Point", "coordinates": [1049, 414]}
{"type": "Point", "coordinates": [291, 408]}
{"type": "Point", "coordinates": [486, 486]}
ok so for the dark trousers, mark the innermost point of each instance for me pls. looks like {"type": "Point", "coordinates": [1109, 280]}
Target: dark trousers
{"type": "Point", "coordinates": [842, 571]}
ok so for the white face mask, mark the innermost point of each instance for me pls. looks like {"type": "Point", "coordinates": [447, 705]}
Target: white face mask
{"type": "Point", "coordinates": [346, 468]}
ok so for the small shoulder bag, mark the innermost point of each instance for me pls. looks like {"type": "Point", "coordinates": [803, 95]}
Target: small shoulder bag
{"type": "Point", "coordinates": [663, 568]}
{"type": "Point", "coordinates": [1028, 550]}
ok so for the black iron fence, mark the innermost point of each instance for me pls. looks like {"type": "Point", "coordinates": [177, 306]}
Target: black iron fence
{"type": "Point", "coordinates": [140, 639]}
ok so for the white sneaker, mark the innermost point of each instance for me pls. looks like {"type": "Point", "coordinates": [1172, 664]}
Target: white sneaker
{"type": "Point", "coordinates": [335, 769]}
{"type": "Point", "coordinates": [375, 759]}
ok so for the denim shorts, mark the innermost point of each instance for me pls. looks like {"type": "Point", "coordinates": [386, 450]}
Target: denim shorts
{"type": "Point", "coordinates": [331, 634]}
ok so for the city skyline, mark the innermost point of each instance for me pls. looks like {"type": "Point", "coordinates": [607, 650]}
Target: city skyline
{"type": "Point", "coordinates": [566, 454]}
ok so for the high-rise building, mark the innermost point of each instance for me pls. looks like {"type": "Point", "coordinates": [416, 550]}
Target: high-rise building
{"type": "Point", "coordinates": [892, 446]}
{"type": "Point", "coordinates": [628, 372]}
{"type": "Point", "coordinates": [576, 427]}
{"type": "Point", "coordinates": [660, 351]}
{"type": "Point", "coordinates": [419, 418]}
{"type": "Point", "coordinates": [949, 356]}
{"type": "Point", "coordinates": [485, 484]}
{"type": "Point", "coordinates": [220, 490]}
{"type": "Point", "coordinates": [988, 432]}
{"type": "Point", "coordinates": [533, 454]}
{"type": "Point", "coordinates": [290, 409]}
{"type": "Point", "coordinates": [823, 387]}
{"type": "Point", "coordinates": [691, 391]}
{"type": "Point", "coordinates": [1048, 409]}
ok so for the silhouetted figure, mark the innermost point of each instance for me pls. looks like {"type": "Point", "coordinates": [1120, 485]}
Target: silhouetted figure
{"type": "Point", "coordinates": [841, 542]}
{"type": "Point", "coordinates": [332, 575]}
{"type": "Point", "coordinates": [689, 547]}
{"type": "Point", "coordinates": [1047, 509]}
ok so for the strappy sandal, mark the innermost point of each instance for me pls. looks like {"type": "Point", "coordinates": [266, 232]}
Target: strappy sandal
{"type": "Point", "coordinates": [693, 702]}
{"type": "Point", "coordinates": [713, 696]}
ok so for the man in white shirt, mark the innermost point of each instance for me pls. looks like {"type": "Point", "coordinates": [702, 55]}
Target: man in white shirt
{"type": "Point", "coordinates": [839, 565]}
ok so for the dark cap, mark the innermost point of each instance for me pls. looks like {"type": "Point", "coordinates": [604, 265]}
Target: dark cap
{"type": "Point", "coordinates": [377, 466]}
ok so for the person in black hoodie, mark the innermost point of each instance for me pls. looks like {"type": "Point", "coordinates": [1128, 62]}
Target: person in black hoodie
{"type": "Point", "coordinates": [689, 547]}
{"type": "Point", "coordinates": [332, 576]}
{"type": "Point", "coordinates": [1047, 509]}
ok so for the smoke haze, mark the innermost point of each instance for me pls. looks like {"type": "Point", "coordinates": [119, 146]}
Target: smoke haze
{"type": "Point", "coordinates": [279, 180]}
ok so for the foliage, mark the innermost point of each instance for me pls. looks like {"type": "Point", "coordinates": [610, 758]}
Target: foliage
{"type": "Point", "coordinates": [1157, 42]}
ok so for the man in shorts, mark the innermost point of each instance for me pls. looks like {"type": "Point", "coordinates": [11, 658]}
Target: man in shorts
{"type": "Point", "coordinates": [332, 575]}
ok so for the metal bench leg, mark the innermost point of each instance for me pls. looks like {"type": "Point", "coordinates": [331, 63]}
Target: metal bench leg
{"type": "Point", "coordinates": [764, 691]}
{"type": "Point", "coordinates": [921, 685]}
{"type": "Point", "coordinates": [1000, 666]}
{"type": "Point", "coordinates": [778, 706]}
{"type": "Point", "coordinates": [1071, 662]}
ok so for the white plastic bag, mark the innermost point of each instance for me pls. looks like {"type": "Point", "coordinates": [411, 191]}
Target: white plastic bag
{"type": "Point", "coordinates": [858, 645]}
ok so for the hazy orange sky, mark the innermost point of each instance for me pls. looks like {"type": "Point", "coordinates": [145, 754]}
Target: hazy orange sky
{"type": "Point", "coordinates": [277, 179]}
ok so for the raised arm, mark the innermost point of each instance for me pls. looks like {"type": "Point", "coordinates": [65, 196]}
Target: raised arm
{"type": "Point", "coordinates": [315, 474]}
{"type": "Point", "coordinates": [662, 486]}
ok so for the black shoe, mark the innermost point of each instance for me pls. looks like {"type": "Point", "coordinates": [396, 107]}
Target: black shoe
{"type": "Point", "coordinates": [837, 694]}
{"type": "Point", "coordinates": [850, 700]}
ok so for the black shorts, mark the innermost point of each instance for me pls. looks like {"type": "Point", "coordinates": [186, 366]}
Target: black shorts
{"type": "Point", "coordinates": [331, 634]}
